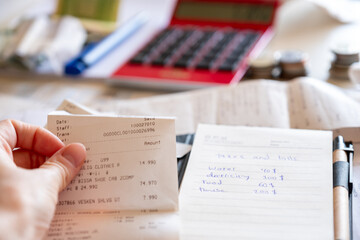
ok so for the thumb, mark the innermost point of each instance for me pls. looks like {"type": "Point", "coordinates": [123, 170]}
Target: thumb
{"type": "Point", "coordinates": [64, 165]}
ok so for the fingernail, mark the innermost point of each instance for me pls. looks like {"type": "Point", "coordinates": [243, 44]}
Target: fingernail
{"type": "Point", "coordinates": [75, 153]}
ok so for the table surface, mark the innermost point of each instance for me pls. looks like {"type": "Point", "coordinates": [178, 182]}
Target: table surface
{"type": "Point", "coordinates": [300, 25]}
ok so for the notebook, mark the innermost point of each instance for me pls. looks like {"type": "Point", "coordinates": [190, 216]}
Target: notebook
{"type": "Point", "coordinates": [207, 43]}
{"type": "Point", "coordinates": [258, 183]}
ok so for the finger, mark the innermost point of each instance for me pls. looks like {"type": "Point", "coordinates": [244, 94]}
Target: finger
{"type": "Point", "coordinates": [6, 157]}
{"type": "Point", "coordinates": [28, 159]}
{"type": "Point", "coordinates": [23, 135]}
{"type": "Point", "coordinates": [63, 166]}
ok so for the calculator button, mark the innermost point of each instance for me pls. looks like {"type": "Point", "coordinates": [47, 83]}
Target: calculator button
{"type": "Point", "coordinates": [182, 63]}
{"type": "Point", "coordinates": [204, 65]}
{"type": "Point", "coordinates": [180, 41]}
{"type": "Point", "coordinates": [212, 55]}
{"type": "Point", "coordinates": [225, 67]}
{"type": "Point", "coordinates": [208, 58]}
{"type": "Point", "coordinates": [159, 62]}
{"type": "Point", "coordinates": [218, 47]}
{"type": "Point", "coordinates": [253, 36]}
{"type": "Point", "coordinates": [203, 40]}
{"type": "Point", "coordinates": [224, 41]}
{"type": "Point", "coordinates": [188, 55]}
{"type": "Point", "coordinates": [229, 64]}
{"type": "Point", "coordinates": [165, 55]}
{"type": "Point", "coordinates": [214, 51]}
{"type": "Point", "coordinates": [248, 38]}
{"type": "Point", "coordinates": [208, 34]}
{"type": "Point", "coordinates": [238, 51]}
{"type": "Point", "coordinates": [233, 57]}
{"type": "Point", "coordinates": [197, 45]}
{"type": "Point", "coordinates": [136, 61]}
{"type": "Point", "coordinates": [230, 61]}
{"type": "Point", "coordinates": [165, 32]}
{"type": "Point", "coordinates": [148, 48]}
{"type": "Point", "coordinates": [230, 34]}
{"type": "Point", "coordinates": [168, 52]}
{"type": "Point", "coordinates": [139, 58]}
{"type": "Point", "coordinates": [162, 59]}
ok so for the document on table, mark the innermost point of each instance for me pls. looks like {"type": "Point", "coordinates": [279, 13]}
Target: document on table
{"type": "Point", "coordinates": [26, 110]}
{"type": "Point", "coordinates": [303, 103]}
{"type": "Point", "coordinates": [122, 190]}
{"type": "Point", "coordinates": [258, 183]}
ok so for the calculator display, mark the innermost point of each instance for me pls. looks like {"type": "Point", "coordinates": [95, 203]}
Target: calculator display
{"type": "Point", "coordinates": [224, 11]}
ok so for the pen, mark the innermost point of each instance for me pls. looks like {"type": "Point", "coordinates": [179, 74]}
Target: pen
{"type": "Point", "coordinates": [342, 188]}
{"type": "Point", "coordinates": [95, 52]}
{"type": "Point", "coordinates": [183, 161]}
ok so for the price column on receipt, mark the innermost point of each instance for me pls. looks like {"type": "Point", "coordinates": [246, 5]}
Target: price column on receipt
{"type": "Point", "coordinates": [124, 168]}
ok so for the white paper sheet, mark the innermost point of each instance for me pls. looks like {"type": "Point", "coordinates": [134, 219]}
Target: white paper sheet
{"type": "Point", "coordinates": [123, 177]}
{"type": "Point", "coordinates": [301, 103]}
{"type": "Point", "coordinates": [258, 183]}
{"type": "Point", "coordinates": [23, 109]}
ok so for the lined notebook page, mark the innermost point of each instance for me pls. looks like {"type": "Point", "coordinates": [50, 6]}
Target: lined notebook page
{"type": "Point", "coordinates": [258, 183]}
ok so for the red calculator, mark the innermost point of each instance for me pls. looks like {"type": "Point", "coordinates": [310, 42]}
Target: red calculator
{"type": "Point", "coordinates": [206, 44]}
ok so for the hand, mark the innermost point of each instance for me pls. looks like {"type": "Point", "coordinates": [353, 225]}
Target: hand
{"type": "Point", "coordinates": [29, 182]}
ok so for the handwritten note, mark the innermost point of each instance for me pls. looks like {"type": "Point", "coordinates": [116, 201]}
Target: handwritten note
{"type": "Point", "coordinates": [122, 190]}
{"type": "Point", "coordinates": [258, 183]}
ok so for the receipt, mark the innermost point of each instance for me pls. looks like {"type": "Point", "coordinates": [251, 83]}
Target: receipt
{"type": "Point", "coordinates": [131, 225]}
{"type": "Point", "coordinates": [122, 184]}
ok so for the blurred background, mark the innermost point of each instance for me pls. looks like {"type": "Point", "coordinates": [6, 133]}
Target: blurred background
{"type": "Point", "coordinates": [311, 26]}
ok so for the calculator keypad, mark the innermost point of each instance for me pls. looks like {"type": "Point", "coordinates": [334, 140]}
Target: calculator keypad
{"type": "Point", "coordinates": [215, 50]}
